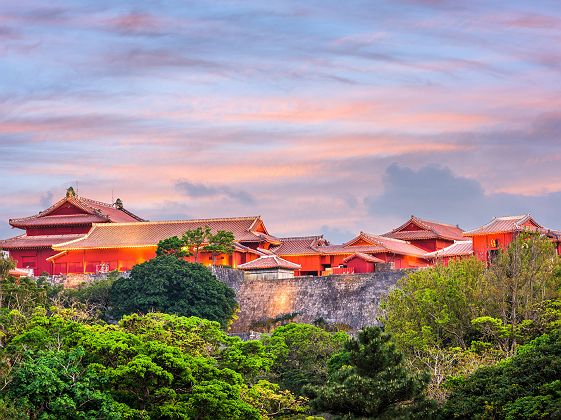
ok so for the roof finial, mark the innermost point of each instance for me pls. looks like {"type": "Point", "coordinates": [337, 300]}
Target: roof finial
{"type": "Point", "coordinates": [70, 192]}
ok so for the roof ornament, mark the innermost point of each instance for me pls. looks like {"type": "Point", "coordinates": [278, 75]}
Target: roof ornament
{"type": "Point", "coordinates": [70, 192]}
{"type": "Point", "coordinates": [118, 204]}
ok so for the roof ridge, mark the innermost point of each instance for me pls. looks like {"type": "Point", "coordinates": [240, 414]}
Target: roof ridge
{"type": "Point", "coordinates": [521, 216]}
{"type": "Point", "coordinates": [299, 237]}
{"type": "Point", "coordinates": [92, 201]}
{"type": "Point", "coordinates": [157, 222]}
{"type": "Point", "coordinates": [387, 238]}
{"type": "Point", "coordinates": [435, 222]}
{"type": "Point", "coordinates": [81, 238]}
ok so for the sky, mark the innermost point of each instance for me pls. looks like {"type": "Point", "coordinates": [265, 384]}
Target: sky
{"type": "Point", "coordinates": [322, 116]}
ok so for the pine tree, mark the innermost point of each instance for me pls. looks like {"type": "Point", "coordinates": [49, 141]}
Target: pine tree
{"type": "Point", "coordinates": [368, 379]}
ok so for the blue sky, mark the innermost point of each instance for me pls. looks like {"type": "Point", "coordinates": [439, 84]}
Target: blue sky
{"type": "Point", "coordinates": [322, 116]}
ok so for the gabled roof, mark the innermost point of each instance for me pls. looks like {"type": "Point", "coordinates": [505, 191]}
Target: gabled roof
{"type": "Point", "coordinates": [553, 234]}
{"type": "Point", "coordinates": [427, 230]}
{"type": "Point", "coordinates": [300, 245]}
{"type": "Point", "coordinates": [94, 212]}
{"type": "Point", "coordinates": [385, 244]}
{"type": "Point", "coordinates": [506, 224]}
{"type": "Point", "coordinates": [269, 262]}
{"type": "Point", "coordinates": [365, 257]}
{"type": "Point", "coordinates": [19, 272]}
{"type": "Point", "coordinates": [36, 241]}
{"type": "Point", "coordinates": [148, 234]}
{"type": "Point", "coordinates": [457, 249]}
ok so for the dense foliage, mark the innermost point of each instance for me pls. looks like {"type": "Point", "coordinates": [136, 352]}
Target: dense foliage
{"type": "Point", "coordinates": [452, 320]}
{"type": "Point", "coordinates": [6, 264]}
{"type": "Point", "coordinates": [172, 246]}
{"type": "Point", "coordinates": [527, 385]}
{"type": "Point", "coordinates": [369, 379]}
{"type": "Point", "coordinates": [300, 353]}
{"type": "Point", "coordinates": [196, 240]}
{"type": "Point", "coordinates": [171, 285]}
{"type": "Point", "coordinates": [153, 366]}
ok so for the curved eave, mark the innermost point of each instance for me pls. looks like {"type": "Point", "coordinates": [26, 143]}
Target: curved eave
{"type": "Point", "coordinates": [297, 254]}
{"type": "Point", "coordinates": [526, 228]}
{"type": "Point", "coordinates": [54, 257]}
{"type": "Point", "coordinates": [25, 226]}
{"type": "Point", "coordinates": [65, 248]}
{"type": "Point", "coordinates": [25, 247]}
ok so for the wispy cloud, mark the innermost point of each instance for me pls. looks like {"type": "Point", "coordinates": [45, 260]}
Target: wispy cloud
{"type": "Point", "coordinates": [321, 116]}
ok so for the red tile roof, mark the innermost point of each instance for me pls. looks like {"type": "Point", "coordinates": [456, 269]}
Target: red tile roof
{"type": "Point", "coordinates": [349, 250]}
{"type": "Point", "coordinates": [364, 257]}
{"type": "Point", "coordinates": [19, 272]}
{"type": "Point", "coordinates": [38, 241]}
{"type": "Point", "coordinates": [553, 234]}
{"type": "Point", "coordinates": [94, 212]}
{"type": "Point", "coordinates": [390, 245]}
{"type": "Point", "coordinates": [505, 224]}
{"type": "Point", "coordinates": [457, 249]}
{"type": "Point", "coordinates": [429, 230]}
{"type": "Point", "coordinates": [300, 245]}
{"type": "Point", "coordinates": [269, 262]}
{"type": "Point", "coordinates": [148, 234]}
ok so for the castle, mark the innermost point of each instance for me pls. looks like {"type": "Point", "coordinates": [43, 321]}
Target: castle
{"type": "Point", "coordinates": [79, 235]}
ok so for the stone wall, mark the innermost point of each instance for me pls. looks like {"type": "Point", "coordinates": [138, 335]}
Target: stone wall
{"type": "Point", "coordinates": [348, 299]}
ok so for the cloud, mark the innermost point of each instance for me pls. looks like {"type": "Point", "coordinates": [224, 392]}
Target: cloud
{"type": "Point", "coordinates": [46, 199]}
{"type": "Point", "coordinates": [335, 235]}
{"type": "Point", "coordinates": [435, 192]}
{"type": "Point", "coordinates": [198, 190]}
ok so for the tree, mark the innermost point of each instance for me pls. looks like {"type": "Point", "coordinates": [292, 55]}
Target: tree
{"type": "Point", "coordinates": [527, 385]}
{"type": "Point", "coordinates": [93, 297]}
{"type": "Point", "coordinates": [195, 238]}
{"type": "Point", "coordinates": [434, 307]}
{"type": "Point", "coordinates": [520, 280]}
{"type": "Point", "coordinates": [172, 246]}
{"type": "Point", "coordinates": [170, 285]}
{"type": "Point", "coordinates": [300, 353]}
{"type": "Point", "coordinates": [153, 366]}
{"type": "Point", "coordinates": [369, 379]}
{"type": "Point", "coordinates": [430, 313]}
{"type": "Point", "coordinates": [6, 264]}
{"type": "Point", "coordinates": [222, 242]}
{"type": "Point", "coordinates": [451, 320]}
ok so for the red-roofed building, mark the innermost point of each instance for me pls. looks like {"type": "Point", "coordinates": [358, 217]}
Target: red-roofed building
{"type": "Point", "coordinates": [120, 246]}
{"type": "Point", "coordinates": [317, 256]}
{"type": "Point", "coordinates": [269, 267]}
{"type": "Point", "coordinates": [68, 219]}
{"type": "Point", "coordinates": [304, 251]}
{"type": "Point", "coordinates": [362, 263]}
{"type": "Point", "coordinates": [430, 236]}
{"type": "Point", "coordinates": [399, 253]}
{"type": "Point", "coordinates": [496, 235]}
{"type": "Point", "coordinates": [458, 250]}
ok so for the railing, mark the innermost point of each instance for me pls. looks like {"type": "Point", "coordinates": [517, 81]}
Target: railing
{"type": "Point", "coordinates": [338, 270]}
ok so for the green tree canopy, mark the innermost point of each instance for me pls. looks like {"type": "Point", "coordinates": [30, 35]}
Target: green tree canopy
{"type": "Point", "coordinates": [195, 238]}
{"type": "Point", "coordinates": [520, 280]}
{"type": "Point", "coordinates": [156, 366]}
{"type": "Point", "coordinates": [170, 285]}
{"type": "Point", "coordinates": [222, 242]}
{"type": "Point", "coordinates": [300, 353]}
{"type": "Point", "coordinates": [434, 307]}
{"type": "Point", "coordinates": [172, 246]}
{"type": "Point", "coordinates": [369, 379]}
{"type": "Point", "coordinates": [527, 385]}
{"type": "Point", "coordinates": [6, 264]}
